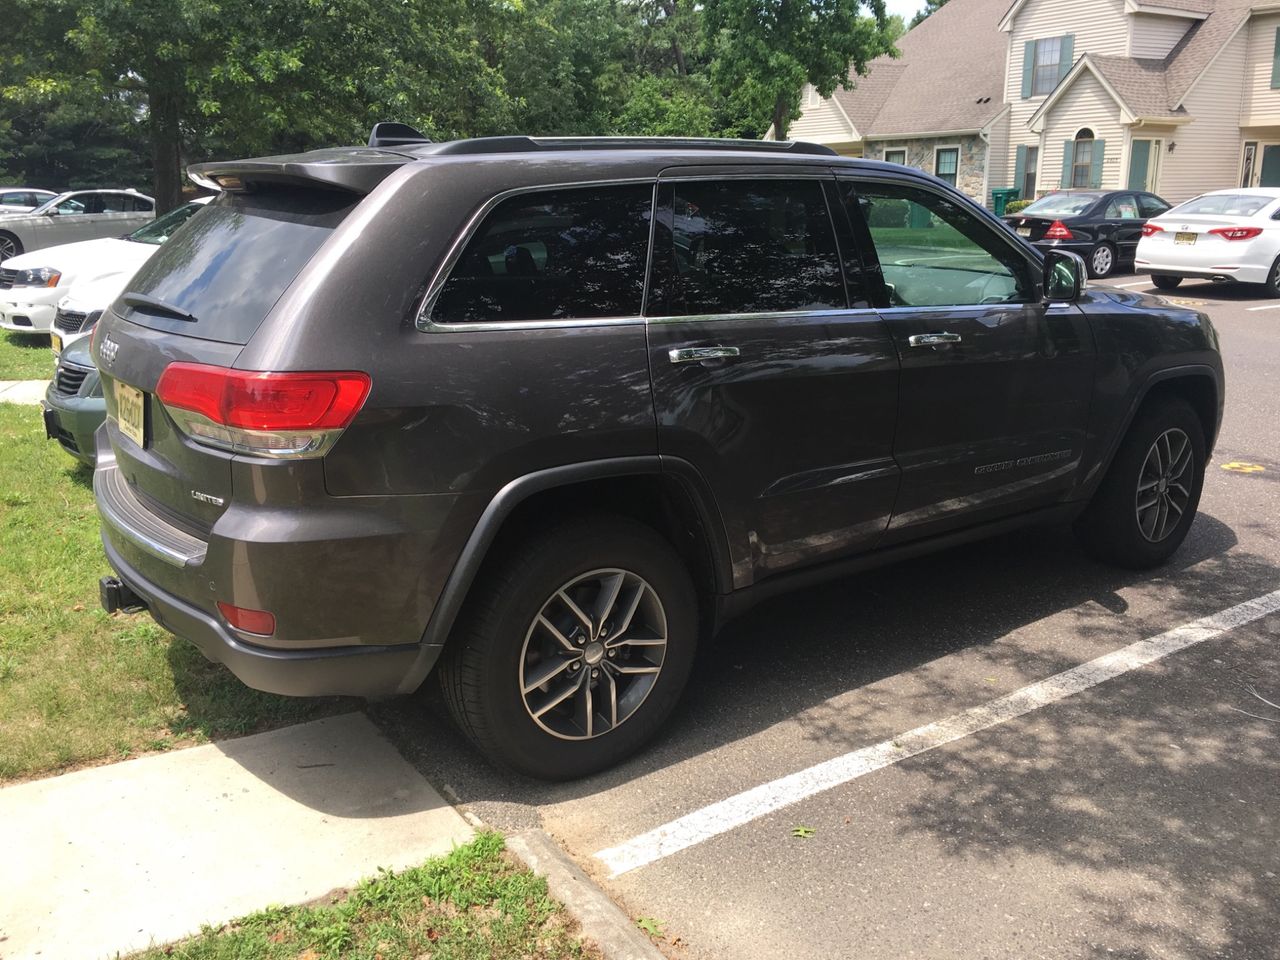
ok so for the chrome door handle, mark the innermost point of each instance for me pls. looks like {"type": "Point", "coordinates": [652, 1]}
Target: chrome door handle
{"type": "Point", "coordinates": [933, 339]}
{"type": "Point", "coordinates": [698, 354]}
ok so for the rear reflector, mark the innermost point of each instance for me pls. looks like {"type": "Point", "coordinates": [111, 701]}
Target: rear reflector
{"type": "Point", "coordinates": [250, 621]}
{"type": "Point", "coordinates": [1150, 230]}
{"type": "Point", "coordinates": [1236, 233]}
{"type": "Point", "coordinates": [267, 414]}
{"type": "Point", "coordinates": [1058, 231]}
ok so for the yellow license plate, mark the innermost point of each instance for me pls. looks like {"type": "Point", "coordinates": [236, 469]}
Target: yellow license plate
{"type": "Point", "coordinates": [1184, 238]}
{"type": "Point", "coordinates": [131, 412]}
{"type": "Point", "coordinates": [56, 342]}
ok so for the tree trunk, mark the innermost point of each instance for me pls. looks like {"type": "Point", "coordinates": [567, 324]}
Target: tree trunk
{"type": "Point", "coordinates": [669, 11]}
{"type": "Point", "coordinates": [166, 145]}
{"type": "Point", "coordinates": [781, 115]}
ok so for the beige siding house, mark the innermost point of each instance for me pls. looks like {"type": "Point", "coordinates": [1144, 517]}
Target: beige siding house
{"type": "Point", "coordinates": [1173, 96]}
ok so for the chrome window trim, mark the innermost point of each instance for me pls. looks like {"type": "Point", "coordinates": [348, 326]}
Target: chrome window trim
{"type": "Point", "coordinates": [835, 313]}
{"type": "Point", "coordinates": [422, 319]}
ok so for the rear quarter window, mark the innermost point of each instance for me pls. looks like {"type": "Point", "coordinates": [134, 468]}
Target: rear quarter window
{"type": "Point", "coordinates": [576, 253]}
{"type": "Point", "coordinates": [232, 260]}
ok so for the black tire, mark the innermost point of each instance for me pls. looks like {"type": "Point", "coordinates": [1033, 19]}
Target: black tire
{"type": "Point", "coordinates": [1102, 261]}
{"type": "Point", "coordinates": [1272, 286]}
{"type": "Point", "coordinates": [1166, 283]}
{"type": "Point", "coordinates": [481, 672]}
{"type": "Point", "coordinates": [1110, 527]}
{"type": "Point", "coordinates": [10, 246]}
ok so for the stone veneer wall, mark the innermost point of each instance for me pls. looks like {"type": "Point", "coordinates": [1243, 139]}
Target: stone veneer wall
{"type": "Point", "coordinates": [973, 158]}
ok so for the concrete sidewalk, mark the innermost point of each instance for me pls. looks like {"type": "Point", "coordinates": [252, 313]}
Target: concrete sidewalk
{"type": "Point", "coordinates": [22, 391]}
{"type": "Point", "coordinates": [117, 857]}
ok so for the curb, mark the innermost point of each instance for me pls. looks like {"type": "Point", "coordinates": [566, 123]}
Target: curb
{"type": "Point", "coordinates": [601, 919]}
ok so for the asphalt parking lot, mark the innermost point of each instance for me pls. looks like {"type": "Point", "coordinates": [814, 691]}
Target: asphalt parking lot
{"type": "Point", "coordinates": [879, 769]}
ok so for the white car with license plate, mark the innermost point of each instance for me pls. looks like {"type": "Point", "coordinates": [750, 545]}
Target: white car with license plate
{"type": "Point", "coordinates": [32, 284]}
{"type": "Point", "coordinates": [1224, 236]}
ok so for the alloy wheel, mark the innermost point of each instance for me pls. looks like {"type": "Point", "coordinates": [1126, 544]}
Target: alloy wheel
{"type": "Point", "coordinates": [1102, 261]}
{"type": "Point", "coordinates": [1164, 485]}
{"type": "Point", "coordinates": [593, 654]}
{"type": "Point", "coordinates": [8, 248]}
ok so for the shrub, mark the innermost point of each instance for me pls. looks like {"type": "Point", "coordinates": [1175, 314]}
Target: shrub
{"type": "Point", "coordinates": [1015, 205]}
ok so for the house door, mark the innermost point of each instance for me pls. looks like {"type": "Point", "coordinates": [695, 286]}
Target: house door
{"type": "Point", "coordinates": [1270, 175]}
{"type": "Point", "coordinates": [1144, 164]}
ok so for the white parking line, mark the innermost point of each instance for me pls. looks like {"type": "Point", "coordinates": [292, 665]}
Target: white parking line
{"type": "Point", "coordinates": [725, 815]}
{"type": "Point", "coordinates": [1125, 286]}
{"type": "Point", "coordinates": [1265, 306]}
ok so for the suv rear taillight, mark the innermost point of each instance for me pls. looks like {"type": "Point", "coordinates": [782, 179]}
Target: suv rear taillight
{"type": "Point", "coordinates": [283, 415]}
{"type": "Point", "coordinates": [1058, 231]}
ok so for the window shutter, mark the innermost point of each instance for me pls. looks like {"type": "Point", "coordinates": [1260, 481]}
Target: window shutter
{"type": "Point", "coordinates": [1020, 168]}
{"type": "Point", "coordinates": [1275, 63]}
{"type": "Point", "coordinates": [1095, 168]}
{"type": "Point", "coordinates": [1068, 149]}
{"type": "Point", "coordinates": [1139, 157]}
{"type": "Point", "coordinates": [1066, 58]}
{"type": "Point", "coordinates": [1028, 67]}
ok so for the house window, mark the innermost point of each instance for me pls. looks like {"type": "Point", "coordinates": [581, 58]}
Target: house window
{"type": "Point", "coordinates": [1028, 184]}
{"type": "Point", "coordinates": [946, 161]}
{"type": "Point", "coordinates": [1048, 57]}
{"type": "Point", "coordinates": [896, 156]}
{"type": "Point", "coordinates": [1082, 159]}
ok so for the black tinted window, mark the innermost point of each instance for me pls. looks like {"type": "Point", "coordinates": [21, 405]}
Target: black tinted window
{"type": "Point", "coordinates": [558, 255]}
{"type": "Point", "coordinates": [1151, 206]}
{"type": "Point", "coordinates": [233, 259]}
{"type": "Point", "coordinates": [745, 246]}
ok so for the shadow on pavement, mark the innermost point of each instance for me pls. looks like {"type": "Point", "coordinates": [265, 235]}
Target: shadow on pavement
{"type": "Point", "coordinates": [788, 657]}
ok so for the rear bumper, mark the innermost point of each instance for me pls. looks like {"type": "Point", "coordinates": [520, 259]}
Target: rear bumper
{"type": "Point", "coordinates": [1224, 274]}
{"type": "Point", "coordinates": [365, 671]}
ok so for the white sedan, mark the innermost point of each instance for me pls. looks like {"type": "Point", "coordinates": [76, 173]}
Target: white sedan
{"type": "Point", "coordinates": [1227, 235]}
{"type": "Point", "coordinates": [32, 284]}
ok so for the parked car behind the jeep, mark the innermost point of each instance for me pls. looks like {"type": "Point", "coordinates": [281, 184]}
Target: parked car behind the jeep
{"type": "Point", "coordinates": [540, 415]}
{"type": "Point", "coordinates": [1102, 226]}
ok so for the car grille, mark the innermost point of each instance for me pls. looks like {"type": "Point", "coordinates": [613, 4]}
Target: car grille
{"type": "Point", "coordinates": [6, 278]}
{"type": "Point", "coordinates": [69, 321]}
{"type": "Point", "coordinates": [69, 379]}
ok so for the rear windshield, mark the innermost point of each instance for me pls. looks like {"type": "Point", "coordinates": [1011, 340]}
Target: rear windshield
{"type": "Point", "coordinates": [232, 260]}
{"type": "Point", "coordinates": [1061, 205]}
{"type": "Point", "coordinates": [1226, 204]}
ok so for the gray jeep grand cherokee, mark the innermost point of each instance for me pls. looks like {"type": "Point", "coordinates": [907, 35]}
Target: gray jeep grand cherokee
{"type": "Point", "coordinates": [540, 415]}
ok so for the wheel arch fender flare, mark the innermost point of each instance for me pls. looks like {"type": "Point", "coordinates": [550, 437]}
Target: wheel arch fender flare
{"type": "Point", "coordinates": [515, 492]}
{"type": "Point", "coordinates": [1200, 371]}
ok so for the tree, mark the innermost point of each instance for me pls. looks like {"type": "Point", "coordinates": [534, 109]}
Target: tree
{"type": "Point", "coordinates": [765, 51]}
{"type": "Point", "coordinates": [930, 7]}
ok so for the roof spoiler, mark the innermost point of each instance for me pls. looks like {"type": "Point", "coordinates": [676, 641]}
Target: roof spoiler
{"type": "Point", "coordinates": [388, 133]}
{"type": "Point", "coordinates": [352, 169]}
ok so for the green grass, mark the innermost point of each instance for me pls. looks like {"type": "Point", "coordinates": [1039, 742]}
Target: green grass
{"type": "Point", "coordinates": [25, 356]}
{"type": "Point", "coordinates": [474, 904]}
{"type": "Point", "coordinates": [77, 685]}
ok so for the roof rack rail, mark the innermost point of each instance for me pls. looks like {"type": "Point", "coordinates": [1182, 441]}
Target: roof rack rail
{"type": "Point", "coordinates": [389, 133]}
{"type": "Point", "coordinates": [480, 145]}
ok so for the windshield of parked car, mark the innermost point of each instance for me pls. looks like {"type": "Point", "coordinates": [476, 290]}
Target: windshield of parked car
{"type": "Point", "coordinates": [1225, 204]}
{"type": "Point", "coordinates": [160, 229]}
{"type": "Point", "coordinates": [1061, 205]}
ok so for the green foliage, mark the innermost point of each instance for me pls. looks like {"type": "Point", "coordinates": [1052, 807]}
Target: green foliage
{"type": "Point", "coordinates": [765, 51]}
{"type": "Point", "coordinates": [116, 92]}
{"type": "Point", "coordinates": [1013, 206]}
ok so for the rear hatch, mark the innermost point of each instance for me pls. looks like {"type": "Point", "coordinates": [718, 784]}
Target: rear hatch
{"type": "Point", "coordinates": [199, 300]}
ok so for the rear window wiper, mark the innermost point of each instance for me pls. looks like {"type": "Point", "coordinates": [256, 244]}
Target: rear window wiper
{"type": "Point", "coordinates": [140, 301]}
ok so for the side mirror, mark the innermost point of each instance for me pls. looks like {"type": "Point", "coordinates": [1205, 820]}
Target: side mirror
{"type": "Point", "coordinates": [1064, 276]}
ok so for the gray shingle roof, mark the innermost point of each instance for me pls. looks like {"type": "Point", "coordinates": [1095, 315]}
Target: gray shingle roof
{"type": "Point", "coordinates": [1197, 49]}
{"type": "Point", "coordinates": [949, 63]}
{"type": "Point", "coordinates": [1140, 83]}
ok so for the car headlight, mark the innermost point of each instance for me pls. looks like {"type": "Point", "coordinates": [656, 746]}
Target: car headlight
{"type": "Point", "coordinates": [37, 277]}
